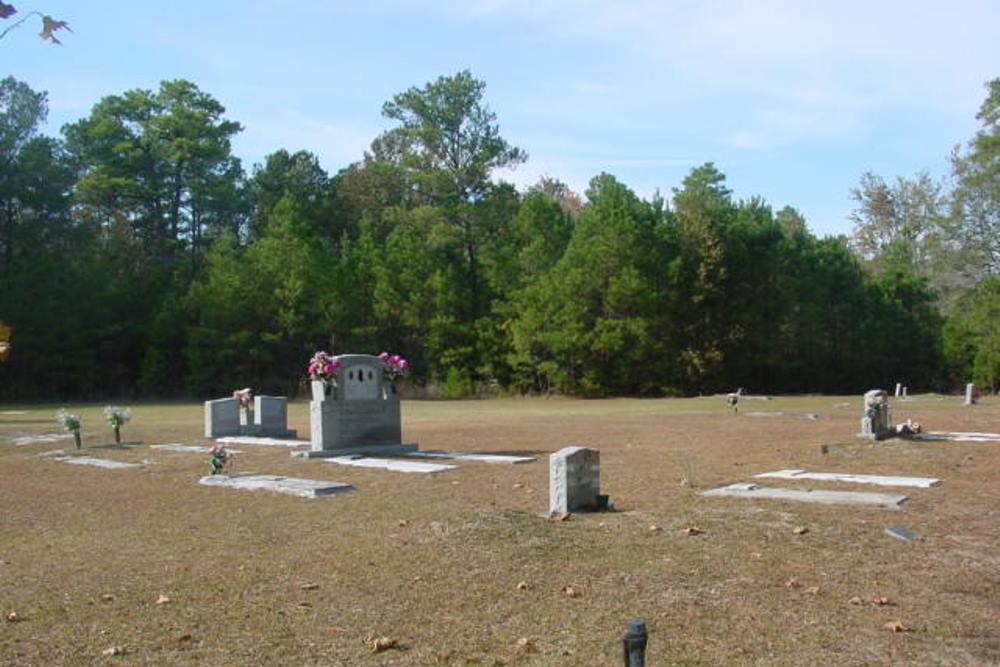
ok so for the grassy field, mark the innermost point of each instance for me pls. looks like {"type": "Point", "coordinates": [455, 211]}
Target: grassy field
{"type": "Point", "coordinates": [459, 568]}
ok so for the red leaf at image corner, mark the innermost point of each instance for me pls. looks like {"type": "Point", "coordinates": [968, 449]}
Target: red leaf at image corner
{"type": "Point", "coordinates": [50, 25]}
{"type": "Point", "coordinates": [6, 11]}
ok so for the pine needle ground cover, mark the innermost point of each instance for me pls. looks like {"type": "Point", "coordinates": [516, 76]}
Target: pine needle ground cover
{"type": "Point", "coordinates": [144, 566]}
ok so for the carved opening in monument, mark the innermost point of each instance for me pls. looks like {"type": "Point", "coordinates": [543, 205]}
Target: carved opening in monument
{"type": "Point", "coordinates": [370, 375]}
{"type": "Point", "coordinates": [361, 376]}
{"type": "Point", "coordinates": [350, 375]}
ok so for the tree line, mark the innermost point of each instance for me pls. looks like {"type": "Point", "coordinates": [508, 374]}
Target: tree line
{"type": "Point", "coordinates": [138, 257]}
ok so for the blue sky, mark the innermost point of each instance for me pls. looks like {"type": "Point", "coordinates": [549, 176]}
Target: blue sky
{"type": "Point", "coordinates": [793, 100]}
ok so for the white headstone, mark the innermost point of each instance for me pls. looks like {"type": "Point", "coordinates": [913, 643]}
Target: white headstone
{"type": "Point", "coordinates": [222, 417]}
{"type": "Point", "coordinates": [899, 389]}
{"type": "Point", "coordinates": [970, 394]}
{"type": "Point", "coordinates": [574, 479]}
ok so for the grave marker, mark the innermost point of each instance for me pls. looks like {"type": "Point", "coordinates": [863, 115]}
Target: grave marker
{"type": "Point", "coordinates": [876, 420]}
{"type": "Point", "coordinates": [361, 414]}
{"type": "Point", "coordinates": [574, 480]}
{"type": "Point", "coordinates": [970, 394]}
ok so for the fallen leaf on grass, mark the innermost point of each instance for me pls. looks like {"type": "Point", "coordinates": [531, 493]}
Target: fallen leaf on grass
{"type": "Point", "coordinates": [881, 601]}
{"type": "Point", "coordinates": [655, 529]}
{"type": "Point", "coordinates": [379, 644]}
{"type": "Point", "coordinates": [570, 592]}
{"type": "Point", "coordinates": [800, 530]}
{"type": "Point", "coordinates": [792, 583]}
{"type": "Point", "coordinates": [518, 485]}
{"type": "Point", "coordinates": [108, 597]}
{"type": "Point", "coordinates": [163, 599]}
{"type": "Point", "coordinates": [522, 585]}
{"type": "Point", "coordinates": [12, 617]}
{"type": "Point", "coordinates": [402, 522]}
{"type": "Point", "coordinates": [896, 626]}
{"type": "Point", "coordinates": [186, 637]}
{"type": "Point", "coordinates": [855, 600]}
{"type": "Point", "coordinates": [560, 516]}
{"type": "Point", "coordinates": [309, 587]}
{"type": "Point", "coordinates": [813, 590]}
{"type": "Point", "coordinates": [113, 650]}
{"type": "Point", "coordinates": [525, 645]}
{"type": "Point", "coordinates": [692, 530]}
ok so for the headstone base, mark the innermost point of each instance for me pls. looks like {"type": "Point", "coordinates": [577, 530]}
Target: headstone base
{"type": "Point", "coordinates": [383, 450]}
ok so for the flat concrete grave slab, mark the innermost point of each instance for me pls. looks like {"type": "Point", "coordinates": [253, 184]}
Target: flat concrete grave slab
{"type": "Point", "coordinates": [394, 465]}
{"type": "Point", "coordinates": [796, 415]}
{"type": "Point", "coordinates": [881, 480]}
{"type": "Point", "coordinates": [472, 456]}
{"type": "Point", "coordinates": [97, 463]}
{"type": "Point", "coordinates": [901, 533]}
{"type": "Point", "coordinates": [744, 490]}
{"type": "Point", "coordinates": [253, 440]}
{"type": "Point", "coordinates": [189, 449]}
{"type": "Point", "coordinates": [956, 436]}
{"type": "Point", "coordinates": [295, 486]}
{"type": "Point", "coordinates": [14, 412]}
{"type": "Point", "coordinates": [20, 441]}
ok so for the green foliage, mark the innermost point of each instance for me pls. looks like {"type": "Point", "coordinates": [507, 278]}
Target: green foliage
{"type": "Point", "coordinates": [136, 258]}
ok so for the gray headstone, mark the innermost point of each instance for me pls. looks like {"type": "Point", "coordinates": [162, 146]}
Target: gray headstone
{"type": "Point", "coordinates": [271, 415]}
{"type": "Point", "coordinates": [222, 417]}
{"type": "Point", "coordinates": [876, 415]}
{"type": "Point", "coordinates": [970, 394]}
{"type": "Point", "coordinates": [899, 389]}
{"type": "Point", "coordinates": [574, 479]}
{"type": "Point", "coordinates": [360, 414]}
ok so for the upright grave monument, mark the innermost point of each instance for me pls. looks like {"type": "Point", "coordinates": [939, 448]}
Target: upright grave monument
{"type": "Point", "coordinates": [970, 394]}
{"type": "Point", "coordinates": [876, 420]}
{"type": "Point", "coordinates": [358, 413]}
{"type": "Point", "coordinates": [224, 418]}
{"type": "Point", "coordinates": [575, 481]}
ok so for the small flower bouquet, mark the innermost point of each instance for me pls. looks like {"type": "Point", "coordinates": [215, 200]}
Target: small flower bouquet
{"type": "Point", "coordinates": [219, 457]}
{"type": "Point", "coordinates": [244, 396]}
{"type": "Point", "coordinates": [323, 367]}
{"type": "Point", "coordinates": [393, 366]}
{"type": "Point", "coordinates": [71, 423]}
{"type": "Point", "coordinates": [116, 418]}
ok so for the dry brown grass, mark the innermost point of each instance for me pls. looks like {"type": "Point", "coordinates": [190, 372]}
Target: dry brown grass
{"type": "Point", "coordinates": [459, 569]}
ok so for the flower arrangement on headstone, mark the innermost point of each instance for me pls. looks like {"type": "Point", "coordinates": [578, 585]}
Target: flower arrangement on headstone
{"type": "Point", "coordinates": [245, 397]}
{"type": "Point", "coordinates": [219, 457]}
{"type": "Point", "coordinates": [116, 418]}
{"type": "Point", "coordinates": [393, 368]}
{"type": "Point", "coordinates": [71, 423]}
{"type": "Point", "coordinates": [323, 369]}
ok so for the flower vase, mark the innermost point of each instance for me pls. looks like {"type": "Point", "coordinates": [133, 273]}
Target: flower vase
{"type": "Point", "coordinates": [324, 391]}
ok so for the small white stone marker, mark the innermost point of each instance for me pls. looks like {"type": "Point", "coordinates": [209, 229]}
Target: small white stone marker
{"type": "Point", "coordinates": [970, 394]}
{"type": "Point", "coordinates": [750, 490]}
{"type": "Point", "coordinates": [98, 463]}
{"type": "Point", "coordinates": [253, 440]}
{"type": "Point", "coordinates": [472, 456]}
{"type": "Point", "coordinates": [390, 464]}
{"type": "Point", "coordinates": [191, 449]}
{"type": "Point", "coordinates": [14, 412]}
{"type": "Point", "coordinates": [881, 480]}
{"type": "Point", "coordinates": [295, 486]}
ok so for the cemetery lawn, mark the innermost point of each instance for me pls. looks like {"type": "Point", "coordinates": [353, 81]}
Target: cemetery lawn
{"type": "Point", "coordinates": [459, 569]}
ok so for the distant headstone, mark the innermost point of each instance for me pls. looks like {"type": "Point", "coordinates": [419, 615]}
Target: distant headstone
{"type": "Point", "coordinates": [970, 394]}
{"type": "Point", "coordinates": [222, 417]}
{"type": "Point", "coordinates": [574, 479]}
{"type": "Point", "coordinates": [360, 414]}
{"type": "Point", "coordinates": [876, 420]}
{"type": "Point", "coordinates": [899, 389]}
{"type": "Point", "coordinates": [270, 413]}
{"type": "Point", "coordinates": [904, 391]}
